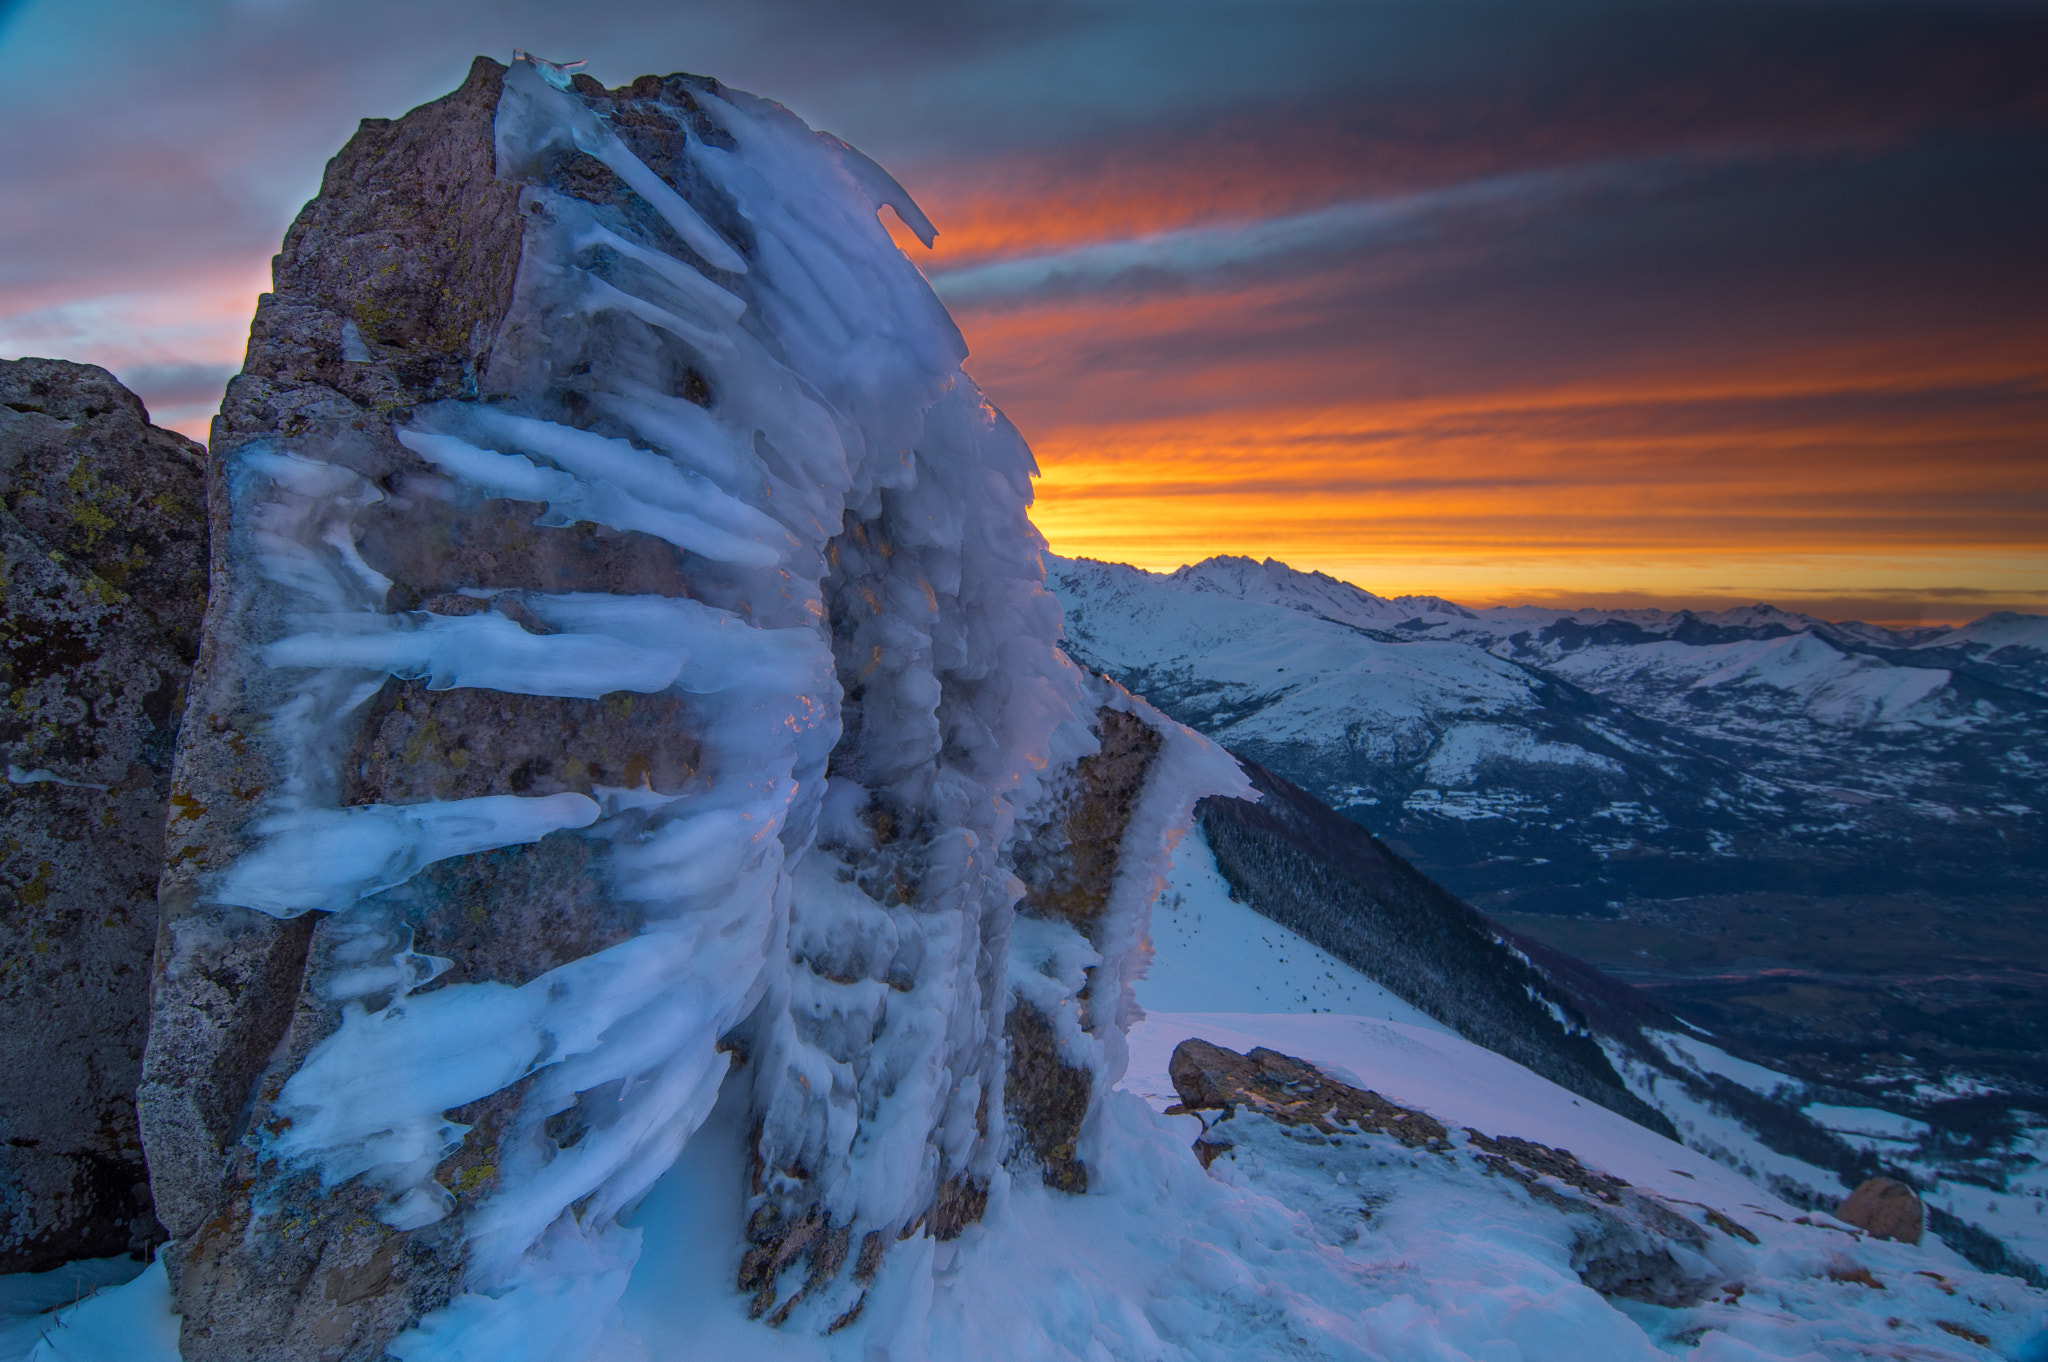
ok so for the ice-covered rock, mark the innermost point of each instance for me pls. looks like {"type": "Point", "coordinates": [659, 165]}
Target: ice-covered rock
{"type": "Point", "coordinates": [629, 680]}
{"type": "Point", "coordinates": [1623, 1242]}
{"type": "Point", "coordinates": [103, 562]}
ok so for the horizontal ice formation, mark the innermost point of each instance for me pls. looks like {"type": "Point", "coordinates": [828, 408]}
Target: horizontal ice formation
{"type": "Point", "coordinates": [606, 482]}
{"type": "Point", "coordinates": [328, 858]}
{"type": "Point", "coordinates": [849, 515]}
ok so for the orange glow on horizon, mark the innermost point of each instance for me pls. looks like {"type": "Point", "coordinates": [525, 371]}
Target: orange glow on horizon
{"type": "Point", "coordinates": [1875, 480]}
{"type": "Point", "coordinates": [1574, 496]}
{"type": "Point", "coordinates": [1894, 472]}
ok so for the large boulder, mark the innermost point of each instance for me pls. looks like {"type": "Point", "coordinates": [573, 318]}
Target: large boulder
{"type": "Point", "coordinates": [388, 291]}
{"type": "Point", "coordinates": [103, 541]}
{"type": "Point", "coordinates": [1886, 1209]}
{"type": "Point", "coordinates": [629, 687]}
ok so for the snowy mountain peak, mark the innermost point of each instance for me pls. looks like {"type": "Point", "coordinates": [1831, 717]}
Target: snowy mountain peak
{"type": "Point", "coordinates": [1311, 593]}
{"type": "Point", "coordinates": [1994, 632]}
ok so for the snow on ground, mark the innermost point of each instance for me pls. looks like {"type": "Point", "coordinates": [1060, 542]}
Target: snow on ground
{"type": "Point", "coordinates": [1353, 1248]}
{"type": "Point", "coordinates": [2017, 1215]}
{"type": "Point", "coordinates": [1455, 1081]}
{"type": "Point", "coordinates": [1701, 1057]}
{"type": "Point", "coordinates": [1867, 1126]}
{"type": "Point", "coordinates": [1211, 954]}
{"type": "Point", "coordinates": [2001, 630]}
{"type": "Point", "coordinates": [1836, 688]}
{"type": "Point", "coordinates": [128, 1323]}
{"type": "Point", "coordinates": [26, 1298]}
{"type": "Point", "coordinates": [1722, 1138]}
{"type": "Point", "coordinates": [1291, 669]}
{"type": "Point", "coordinates": [1465, 747]}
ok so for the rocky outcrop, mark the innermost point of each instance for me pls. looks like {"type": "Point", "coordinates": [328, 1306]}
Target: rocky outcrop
{"type": "Point", "coordinates": [628, 688]}
{"type": "Point", "coordinates": [103, 542]}
{"type": "Point", "coordinates": [1624, 1242]}
{"type": "Point", "coordinates": [388, 292]}
{"type": "Point", "coordinates": [1069, 870]}
{"type": "Point", "coordinates": [1290, 1091]}
{"type": "Point", "coordinates": [1886, 1209]}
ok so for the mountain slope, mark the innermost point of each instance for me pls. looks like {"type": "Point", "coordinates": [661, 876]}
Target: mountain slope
{"type": "Point", "coordinates": [1332, 882]}
{"type": "Point", "coordinates": [1530, 1224]}
{"type": "Point", "coordinates": [1315, 877]}
{"type": "Point", "coordinates": [1591, 742]}
{"type": "Point", "coordinates": [1816, 836]}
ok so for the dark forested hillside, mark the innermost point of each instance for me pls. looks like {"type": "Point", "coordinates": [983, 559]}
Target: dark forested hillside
{"type": "Point", "coordinates": [1302, 864]}
{"type": "Point", "coordinates": [1295, 860]}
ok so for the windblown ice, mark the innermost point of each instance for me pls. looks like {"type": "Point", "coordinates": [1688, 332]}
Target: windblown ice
{"type": "Point", "coordinates": [886, 749]}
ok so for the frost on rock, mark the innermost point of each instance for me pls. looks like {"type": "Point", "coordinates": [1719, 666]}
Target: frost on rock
{"type": "Point", "coordinates": [628, 674]}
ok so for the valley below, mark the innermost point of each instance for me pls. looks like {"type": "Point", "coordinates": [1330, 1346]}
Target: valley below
{"type": "Point", "coordinates": [1886, 992]}
{"type": "Point", "coordinates": [1819, 843]}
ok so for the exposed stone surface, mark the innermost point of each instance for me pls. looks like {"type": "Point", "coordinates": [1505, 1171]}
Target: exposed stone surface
{"type": "Point", "coordinates": [391, 291]}
{"type": "Point", "coordinates": [1047, 1098]}
{"type": "Point", "coordinates": [1070, 874]}
{"type": "Point", "coordinates": [1069, 870]}
{"type": "Point", "coordinates": [1624, 1242]}
{"type": "Point", "coordinates": [1887, 1209]}
{"type": "Point", "coordinates": [1290, 1091]}
{"type": "Point", "coordinates": [416, 744]}
{"type": "Point", "coordinates": [103, 565]}
{"type": "Point", "coordinates": [421, 293]}
{"type": "Point", "coordinates": [392, 282]}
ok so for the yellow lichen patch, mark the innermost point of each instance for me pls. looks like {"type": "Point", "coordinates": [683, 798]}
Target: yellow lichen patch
{"type": "Point", "coordinates": [469, 1179]}
{"type": "Point", "coordinates": [92, 520]}
{"type": "Point", "coordinates": [37, 891]}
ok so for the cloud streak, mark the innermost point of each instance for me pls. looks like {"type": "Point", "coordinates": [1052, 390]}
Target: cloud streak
{"type": "Point", "coordinates": [1475, 297]}
{"type": "Point", "coordinates": [1294, 243]}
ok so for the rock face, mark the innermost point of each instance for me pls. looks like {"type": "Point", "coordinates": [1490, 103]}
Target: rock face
{"type": "Point", "coordinates": [103, 541]}
{"type": "Point", "coordinates": [1069, 871]}
{"type": "Point", "coordinates": [1291, 1091]}
{"type": "Point", "coordinates": [628, 687]}
{"type": "Point", "coordinates": [1887, 1209]}
{"type": "Point", "coordinates": [1624, 1242]}
{"type": "Point", "coordinates": [387, 293]}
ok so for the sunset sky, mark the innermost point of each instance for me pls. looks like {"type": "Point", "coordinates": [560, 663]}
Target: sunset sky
{"type": "Point", "coordinates": [1642, 302]}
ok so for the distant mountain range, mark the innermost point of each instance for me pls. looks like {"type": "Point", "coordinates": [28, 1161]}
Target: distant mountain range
{"type": "Point", "coordinates": [1824, 839]}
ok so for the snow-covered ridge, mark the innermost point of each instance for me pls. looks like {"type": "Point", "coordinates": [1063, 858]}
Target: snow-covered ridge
{"type": "Point", "coordinates": [1317, 593]}
{"type": "Point", "coordinates": [1291, 1241]}
{"type": "Point", "coordinates": [1761, 716]}
{"type": "Point", "coordinates": [1637, 764]}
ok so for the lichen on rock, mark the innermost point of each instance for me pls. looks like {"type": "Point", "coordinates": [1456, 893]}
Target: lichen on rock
{"type": "Point", "coordinates": [103, 567]}
{"type": "Point", "coordinates": [629, 687]}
